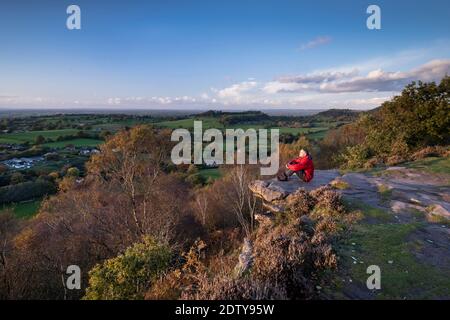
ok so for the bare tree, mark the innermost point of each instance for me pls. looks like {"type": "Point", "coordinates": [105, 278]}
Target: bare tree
{"type": "Point", "coordinates": [201, 202]}
{"type": "Point", "coordinates": [242, 200]}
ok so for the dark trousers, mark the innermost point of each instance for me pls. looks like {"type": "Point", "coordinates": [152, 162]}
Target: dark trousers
{"type": "Point", "coordinates": [288, 173]}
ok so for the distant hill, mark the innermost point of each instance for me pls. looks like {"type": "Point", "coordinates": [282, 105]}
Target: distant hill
{"type": "Point", "coordinates": [337, 115]}
{"type": "Point", "coordinates": [230, 118]}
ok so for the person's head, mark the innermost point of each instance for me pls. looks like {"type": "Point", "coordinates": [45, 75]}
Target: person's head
{"type": "Point", "coordinates": [303, 153]}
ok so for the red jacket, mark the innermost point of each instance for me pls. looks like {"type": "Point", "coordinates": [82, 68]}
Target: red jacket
{"type": "Point", "coordinates": [304, 164]}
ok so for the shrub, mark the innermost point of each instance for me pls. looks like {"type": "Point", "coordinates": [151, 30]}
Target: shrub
{"type": "Point", "coordinates": [434, 151]}
{"type": "Point", "coordinates": [17, 178]}
{"type": "Point", "coordinates": [73, 172]}
{"type": "Point", "coordinates": [355, 156]}
{"type": "Point", "coordinates": [328, 199]}
{"type": "Point", "coordinates": [371, 163]}
{"type": "Point", "coordinates": [288, 261]}
{"type": "Point", "coordinates": [196, 180]}
{"type": "Point", "coordinates": [300, 202]}
{"type": "Point", "coordinates": [40, 139]}
{"type": "Point", "coordinates": [129, 275]}
{"type": "Point", "coordinates": [419, 117]}
{"type": "Point", "coordinates": [399, 147]}
{"type": "Point", "coordinates": [395, 160]}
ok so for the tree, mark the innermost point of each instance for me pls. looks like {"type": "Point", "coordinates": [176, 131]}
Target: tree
{"type": "Point", "coordinates": [241, 199]}
{"type": "Point", "coordinates": [417, 118]}
{"type": "Point", "coordinates": [17, 178]}
{"type": "Point", "coordinates": [73, 172]}
{"type": "Point", "coordinates": [129, 275]}
{"type": "Point", "coordinates": [40, 139]}
{"type": "Point", "coordinates": [3, 168]}
{"type": "Point", "coordinates": [8, 228]}
{"type": "Point", "coordinates": [132, 164]}
{"type": "Point", "coordinates": [94, 220]}
{"type": "Point", "coordinates": [26, 190]}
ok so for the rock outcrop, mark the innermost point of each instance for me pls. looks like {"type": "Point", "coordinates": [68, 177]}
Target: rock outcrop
{"type": "Point", "coordinates": [274, 193]}
{"type": "Point", "coordinates": [245, 258]}
{"type": "Point", "coordinates": [399, 190]}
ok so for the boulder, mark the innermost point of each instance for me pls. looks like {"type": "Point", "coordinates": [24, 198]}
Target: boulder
{"type": "Point", "coordinates": [245, 258]}
{"type": "Point", "coordinates": [265, 218]}
{"type": "Point", "coordinates": [268, 190]}
{"type": "Point", "coordinates": [273, 192]}
{"type": "Point", "coordinates": [439, 210]}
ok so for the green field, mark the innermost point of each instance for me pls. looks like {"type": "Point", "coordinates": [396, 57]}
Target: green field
{"type": "Point", "coordinates": [30, 136]}
{"type": "Point", "coordinates": [213, 173]}
{"type": "Point", "coordinates": [189, 123]}
{"type": "Point", "coordinates": [24, 210]}
{"type": "Point", "coordinates": [315, 132]}
{"type": "Point", "coordinates": [306, 131]}
{"type": "Point", "coordinates": [74, 142]}
{"type": "Point", "coordinates": [318, 135]}
{"type": "Point", "coordinates": [118, 125]}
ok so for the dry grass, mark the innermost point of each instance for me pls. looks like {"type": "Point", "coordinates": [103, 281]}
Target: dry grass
{"type": "Point", "coordinates": [435, 151]}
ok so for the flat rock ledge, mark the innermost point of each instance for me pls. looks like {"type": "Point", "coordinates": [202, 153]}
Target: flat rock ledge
{"type": "Point", "coordinates": [274, 192]}
{"type": "Point", "coordinates": [405, 195]}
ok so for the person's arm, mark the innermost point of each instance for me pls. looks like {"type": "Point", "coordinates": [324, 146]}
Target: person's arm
{"type": "Point", "coordinates": [297, 164]}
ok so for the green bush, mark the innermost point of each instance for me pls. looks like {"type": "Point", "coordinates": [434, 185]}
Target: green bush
{"type": "Point", "coordinates": [356, 156]}
{"type": "Point", "coordinates": [417, 118]}
{"type": "Point", "coordinates": [73, 172]}
{"type": "Point", "coordinates": [196, 179]}
{"type": "Point", "coordinates": [129, 275]}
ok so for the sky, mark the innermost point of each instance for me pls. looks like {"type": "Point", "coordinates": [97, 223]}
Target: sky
{"type": "Point", "coordinates": [246, 54]}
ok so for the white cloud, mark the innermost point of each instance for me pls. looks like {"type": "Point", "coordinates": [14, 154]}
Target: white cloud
{"type": "Point", "coordinates": [319, 41]}
{"type": "Point", "coordinates": [380, 80]}
{"type": "Point", "coordinates": [237, 90]}
{"type": "Point", "coordinates": [376, 80]}
{"type": "Point", "coordinates": [114, 101]}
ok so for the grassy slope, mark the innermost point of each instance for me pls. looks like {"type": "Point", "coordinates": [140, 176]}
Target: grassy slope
{"type": "Point", "coordinates": [432, 164]}
{"type": "Point", "coordinates": [386, 244]}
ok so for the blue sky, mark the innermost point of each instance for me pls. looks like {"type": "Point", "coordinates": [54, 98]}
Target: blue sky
{"type": "Point", "coordinates": [218, 54]}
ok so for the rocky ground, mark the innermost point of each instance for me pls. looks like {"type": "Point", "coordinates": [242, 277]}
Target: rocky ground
{"type": "Point", "coordinates": [405, 229]}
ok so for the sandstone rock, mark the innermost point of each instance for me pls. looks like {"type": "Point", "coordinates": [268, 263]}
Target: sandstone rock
{"type": "Point", "coordinates": [272, 207]}
{"type": "Point", "coordinates": [267, 190]}
{"type": "Point", "coordinates": [439, 210]}
{"type": "Point", "coordinates": [266, 218]}
{"type": "Point", "coordinates": [400, 206]}
{"type": "Point", "coordinates": [273, 190]}
{"type": "Point", "coordinates": [245, 258]}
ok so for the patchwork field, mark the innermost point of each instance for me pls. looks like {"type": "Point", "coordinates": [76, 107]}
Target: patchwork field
{"type": "Point", "coordinates": [315, 133]}
{"type": "Point", "coordinates": [75, 143]}
{"type": "Point", "coordinates": [30, 136]}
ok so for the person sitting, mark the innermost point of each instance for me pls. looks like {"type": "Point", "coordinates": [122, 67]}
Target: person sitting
{"type": "Point", "coordinates": [302, 166]}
